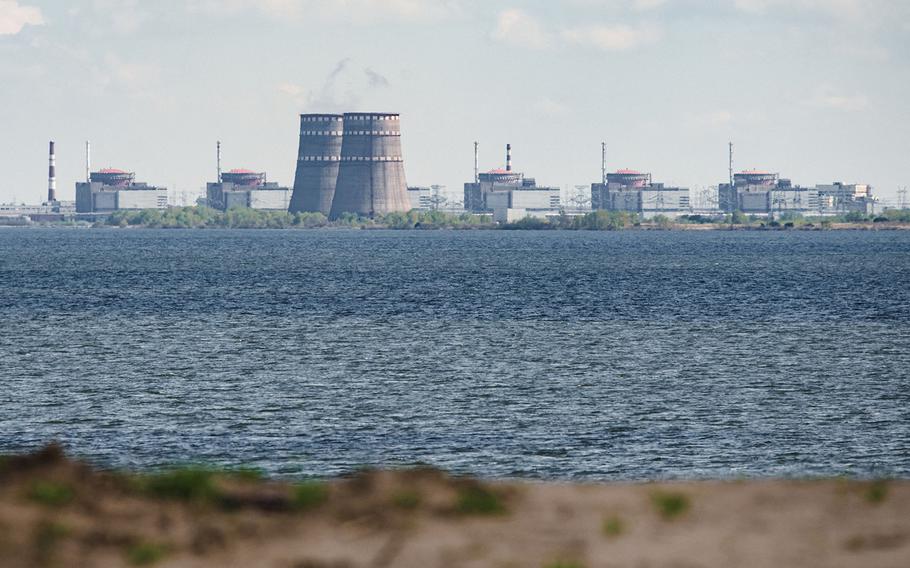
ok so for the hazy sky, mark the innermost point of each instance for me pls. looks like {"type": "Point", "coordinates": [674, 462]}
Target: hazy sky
{"type": "Point", "coordinates": [818, 90]}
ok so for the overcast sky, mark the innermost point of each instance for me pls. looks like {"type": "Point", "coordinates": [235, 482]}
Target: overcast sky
{"type": "Point", "coordinates": [818, 90]}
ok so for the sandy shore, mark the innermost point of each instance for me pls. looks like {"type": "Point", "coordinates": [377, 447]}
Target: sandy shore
{"type": "Point", "coordinates": [57, 512]}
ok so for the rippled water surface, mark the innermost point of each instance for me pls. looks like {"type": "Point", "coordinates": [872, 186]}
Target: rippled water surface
{"type": "Point", "coordinates": [552, 355]}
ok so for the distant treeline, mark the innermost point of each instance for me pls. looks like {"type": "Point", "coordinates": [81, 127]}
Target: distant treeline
{"type": "Point", "coordinates": [203, 217]}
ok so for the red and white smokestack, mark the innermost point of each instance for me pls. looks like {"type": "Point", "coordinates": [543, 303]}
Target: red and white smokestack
{"type": "Point", "coordinates": [51, 175]}
{"type": "Point", "coordinates": [508, 157]}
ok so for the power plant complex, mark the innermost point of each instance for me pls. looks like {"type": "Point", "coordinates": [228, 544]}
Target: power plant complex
{"type": "Point", "coordinates": [352, 164]}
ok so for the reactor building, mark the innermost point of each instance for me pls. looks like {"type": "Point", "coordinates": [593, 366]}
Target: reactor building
{"type": "Point", "coordinates": [350, 163]}
{"type": "Point", "coordinates": [246, 188]}
{"type": "Point", "coordinates": [111, 190]}
{"type": "Point", "coordinates": [634, 192]}
{"type": "Point", "coordinates": [509, 195]}
{"type": "Point", "coordinates": [762, 193]}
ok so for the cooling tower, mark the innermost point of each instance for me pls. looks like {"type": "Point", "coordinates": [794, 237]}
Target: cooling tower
{"type": "Point", "coordinates": [371, 176]}
{"type": "Point", "coordinates": [317, 163]}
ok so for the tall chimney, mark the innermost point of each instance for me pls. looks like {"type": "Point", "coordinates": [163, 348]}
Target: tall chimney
{"type": "Point", "coordinates": [88, 162]}
{"type": "Point", "coordinates": [51, 175]}
{"type": "Point", "coordinates": [219, 161]}
{"type": "Point", "coordinates": [603, 163]}
{"type": "Point", "coordinates": [508, 157]}
{"type": "Point", "coordinates": [476, 162]}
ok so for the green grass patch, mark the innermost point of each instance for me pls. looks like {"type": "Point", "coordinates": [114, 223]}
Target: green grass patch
{"type": "Point", "coordinates": [477, 500]}
{"type": "Point", "coordinates": [406, 499]}
{"type": "Point", "coordinates": [613, 527]}
{"type": "Point", "coordinates": [187, 484]}
{"type": "Point", "coordinates": [51, 494]}
{"type": "Point", "coordinates": [145, 554]}
{"type": "Point", "coordinates": [248, 474]}
{"type": "Point", "coordinates": [310, 495]}
{"type": "Point", "coordinates": [46, 537]}
{"type": "Point", "coordinates": [670, 504]}
{"type": "Point", "coordinates": [562, 564]}
{"type": "Point", "coordinates": [876, 492]}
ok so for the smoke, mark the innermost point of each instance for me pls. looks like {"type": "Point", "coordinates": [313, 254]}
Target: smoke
{"type": "Point", "coordinates": [344, 88]}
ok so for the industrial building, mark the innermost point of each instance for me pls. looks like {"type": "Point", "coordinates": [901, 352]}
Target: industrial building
{"type": "Point", "coordinates": [111, 190]}
{"type": "Point", "coordinates": [420, 198]}
{"type": "Point", "coordinates": [509, 195]}
{"type": "Point", "coordinates": [634, 192]}
{"type": "Point", "coordinates": [249, 189]}
{"type": "Point", "coordinates": [846, 198]}
{"type": "Point", "coordinates": [767, 194]}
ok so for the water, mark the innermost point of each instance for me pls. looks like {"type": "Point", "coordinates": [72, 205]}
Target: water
{"type": "Point", "coordinates": [555, 355]}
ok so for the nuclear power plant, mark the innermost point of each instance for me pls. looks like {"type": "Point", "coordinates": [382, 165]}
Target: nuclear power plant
{"type": "Point", "coordinates": [350, 164]}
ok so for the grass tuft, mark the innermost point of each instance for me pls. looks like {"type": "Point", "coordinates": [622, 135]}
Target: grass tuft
{"type": "Point", "coordinates": [310, 495]}
{"type": "Point", "coordinates": [613, 527]}
{"type": "Point", "coordinates": [187, 484]}
{"type": "Point", "coordinates": [145, 554]}
{"type": "Point", "coordinates": [670, 505]}
{"type": "Point", "coordinates": [876, 492]}
{"type": "Point", "coordinates": [561, 564]}
{"type": "Point", "coordinates": [248, 474]}
{"type": "Point", "coordinates": [51, 494]}
{"type": "Point", "coordinates": [476, 500]}
{"type": "Point", "coordinates": [407, 499]}
{"type": "Point", "coordinates": [47, 535]}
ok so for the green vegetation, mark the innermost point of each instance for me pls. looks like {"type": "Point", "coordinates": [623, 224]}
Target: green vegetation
{"type": "Point", "coordinates": [670, 505]}
{"type": "Point", "coordinates": [187, 484]}
{"type": "Point", "coordinates": [51, 494]}
{"type": "Point", "coordinates": [877, 491]}
{"type": "Point", "coordinates": [145, 554]}
{"type": "Point", "coordinates": [310, 495]}
{"type": "Point", "coordinates": [240, 218]}
{"type": "Point", "coordinates": [407, 499]}
{"type": "Point", "coordinates": [46, 537]}
{"type": "Point", "coordinates": [561, 564]}
{"type": "Point", "coordinates": [477, 500]}
{"type": "Point", "coordinates": [203, 217]}
{"type": "Point", "coordinates": [613, 527]}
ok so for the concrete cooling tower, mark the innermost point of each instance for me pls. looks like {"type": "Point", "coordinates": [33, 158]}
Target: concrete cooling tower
{"type": "Point", "coordinates": [371, 174]}
{"type": "Point", "coordinates": [317, 163]}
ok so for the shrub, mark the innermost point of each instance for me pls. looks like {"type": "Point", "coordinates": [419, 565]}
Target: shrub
{"type": "Point", "coordinates": [613, 527]}
{"type": "Point", "coordinates": [670, 505]}
{"type": "Point", "coordinates": [407, 499]}
{"type": "Point", "coordinates": [477, 500]}
{"type": "Point", "coordinates": [144, 554]}
{"type": "Point", "coordinates": [877, 492]}
{"type": "Point", "coordinates": [188, 484]}
{"type": "Point", "coordinates": [310, 495]}
{"type": "Point", "coordinates": [51, 494]}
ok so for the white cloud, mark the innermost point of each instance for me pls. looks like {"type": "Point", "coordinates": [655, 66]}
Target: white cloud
{"type": "Point", "coordinates": [549, 107]}
{"type": "Point", "coordinates": [349, 10]}
{"type": "Point", "coordinates": [520, 29]}
{"type": "Point", "coordinates": [648, 4]}
{"type": "Point", "coordinates": [714, 118]}
{"type": "Point", "coordinates": [613, 37]}
{"type": "Point", "coordinates": [14, 17]}
{"type": "Point", "coordinates": [846, 103]}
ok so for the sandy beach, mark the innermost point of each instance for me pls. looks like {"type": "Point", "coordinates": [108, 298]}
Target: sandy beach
{"type": "Point", "coordinates": [58, 512]}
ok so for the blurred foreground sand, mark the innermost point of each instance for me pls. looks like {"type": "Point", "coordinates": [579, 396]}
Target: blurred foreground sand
{"type": "Point", "coordinates": [57, 512]}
